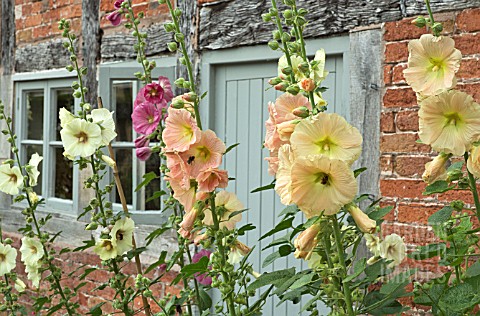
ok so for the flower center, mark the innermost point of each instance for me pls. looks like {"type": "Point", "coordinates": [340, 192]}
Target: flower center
{"type": "Point", "coordinates": [150, 119]}
{"type": "Point", "coordinates": [2, 257]}
{"type": "Point", "coordinates": [322, 178]}
{"type": "Point", "coordinates": [325, 145]}
{"type": "Point", "coordinates": [108, 245]}
{"type": "Point", "coordinates": [13, 178]}
{"type": "Point", "coordinates": [33, 249]}
{"type": "Point", "coordinates": [436, 64]}
{"type": "Point", "coordinates": [453, 119]}
{"type": "Point", "coordinates": [82, 137]}
{"type": "Point", "coordinates": [203, 153]}
{"type": "Point", "coordinates": [119, 235]}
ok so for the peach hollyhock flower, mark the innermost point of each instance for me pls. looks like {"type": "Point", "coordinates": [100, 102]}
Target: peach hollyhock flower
{"type": "Point", "coordinates": [185, 194]}
{"type": "Point", "coordinates": [189, 220]}
{"type": "Point", "coordinates": [145, 118]}
{"type": "Point", "coordinates": [11, 179]}
{"type": "Point", "coordinates": [181, 130]}
{"type": "Point", "coordinates": [435, 170]}
{"type": "Point", "coordinates": [179, 169]}
{"type": "Point", "coordinates": [272, 137]}
{"type": "Point", "coordinates": [327, 134]}
{"type": "Point", "coordinates": [364, 223]}
{"type": "Point", "coordinates": [393, 248]}
{"type": "Point", "coordinates": [320, 184]}
{"type": "Point", "coordinates": [212, 178]}
{"type": "Point", "coordinates": [225, 204]}
{"type": "Point", "coordinates": [473, 162]}
{"type": "Point", "coordinates": [205, 153]}
{"type": "Point", "coordinates": [285, 119]}
{"type": "Point", "coordinates": [81, 138]}
{"type": "Point", "coordinates": [283, 176]}
{"type": "Point", "coordinates": [272, 163]}
{"type": "Point", "coordinates": [449, 122]}
{"type": "Point", "coordinates": [306, 242]}
{"type": "Point", "coordinates": [432, 64]}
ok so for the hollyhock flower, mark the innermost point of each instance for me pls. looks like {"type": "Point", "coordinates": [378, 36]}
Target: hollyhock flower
{"type": "Point", "coordinates": [183, 194]}
{"type": "Point", "coordinates": [115, 18]}
{"type": "Point", "coordinates": [81, 138]}
{"type": "Point", "coordinates": [143, 153]}
{"type": "Point", "coordinates": [32, 250]}
{"type": "Point", "coordinates": [205, 153]}
{"type": "Point", "coordinates": [238, 250]}
{"type": "Point", "coordinates": [272, 137]}
{"type": "Point", "coordinates": [142, 141]}
{"type": "Point", "coordinates": [320, 184]}
{"type": "Point", "coordinates": [393, 248]}
{"type": "Point", "coordinates": [307, 84]}
{"type": "Point", "coordinates": [33, 273]}
{"type": "Point", "coordinates": [212, 178]}
{"type": "Point", "coordinates": [104, 118]}
{"type": "Point", "coordinates": [286, 104]}
{"type": "Point", "coordinates": [225, 204]}
{"type": "Point", "coordinates": [109, 161]}
{"type": "Point", "coordinates": [181, 130]}
{"type": "Point", "coordinates": [122, 235]}
{"type": "Point", "coordinates": [11, 179]}
{"type": "Point", "coordinates": [179, 169]}
{"type": "Point", "coordinates": [283, 63]}
{"type": "Point", "coordinates": [272, 163]}
{"type": "Point", "coordinates": [318, 73]}
{"type": "Point", "coordinates": [435, 170]}
{"type": "Point", "coordinates": [327, 134]}
{"type": "Point", "coordinates": [364, 223]}
{"type": "Point", "coordinates": [189, 219]}
{"type": "Point", "coordinates": [283, 176]}
{"type": "Point", "coordinates": [473, 162]}
{"type": "Point", "coordinates": [432, 64]}
{"type": "Point", "coordinates": [118, 4]}
{"type": "Point", "coordinates": [203, 278]}
{"type": "Point", "coordinates": [65, 117]}
{"type": "Point", "coordinates": [306, 242]}
{"type": "Point", "coordinates": [449, 122]}
{"type": "Point", "coordinates": [145, 118]}
{"type": "Point", "coordinates": [8, 259]}
{"type": "Point", "coordinates": [106, 249]}
{"type": "Point", "coordinates": [153, 92]}
{"type": "Point", "coordinates": [32, 169]}
{"type": "Point", "coordinates": [164, 82]}
{"type": "Point", "coordinates": [373, 243]}
{"type": "Point", "coordinates": [20, 286]}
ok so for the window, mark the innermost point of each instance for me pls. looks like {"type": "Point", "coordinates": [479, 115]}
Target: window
{"type": "Point", "coordinates": [38, 130]}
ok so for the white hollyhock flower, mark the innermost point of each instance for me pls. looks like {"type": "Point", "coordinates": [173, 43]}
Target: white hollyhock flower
{"type": "Point", "coordinates": [20, 286]}
{"type": "Point", "coordinates": [32, 250]}
{"type": "Point", "coordinates": [8, 256]}
{"type": "Point", "coordinates": [33, 273]}
{"type": "Point", "coordinates": [122, 233]}
{"type": "Point", "coordinates": [65, 117]}
{"type": "Point", "coordinates": [393, 248]}
{"type": "Point", "coordinates": [373, 243]}
{"type": "Point", "coordinates": [32, 169]}
{"type": "Point", "coordinates": [81, 138]}
{"type": "Point", "coordinates": [103, 117]}
{"type": "Point", "coordinates": [11, 179]}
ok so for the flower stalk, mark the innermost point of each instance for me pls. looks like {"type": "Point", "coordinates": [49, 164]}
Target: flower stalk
{"type": "Point", "coordinates": [473, 188]}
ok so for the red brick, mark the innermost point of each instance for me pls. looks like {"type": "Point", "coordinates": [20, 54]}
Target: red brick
{"type": "Point", "coordinates": [33, 20]}
{"type": "Point", "coordinates": [411, 189]}
{"type": "Point", "coordinates": [41, 31]}
{"type": "Point", "coordinates": [37, 8]}
{"type": "Point", "coordinates": [25, 36]}
{"type": "Point", "coordinates": [402, 143]}
{"type": "Point", "coordinates": [464, 195]}
{"type": "Point", "coordinates": [472, 88]}
{"type": "Point", "coordinates": [468, 44]}
{"type": "Point", "coordinates": [416, 212]}
{"type": "Point", "coordinates": [469, 68]}
{"type": "Point", "coordinates": [410, 166]}
{"type": "Point", "coordinates": [469, 20]}
{"type": "Point", "coordinates": [407, 121]}
{"type": "Point", "coordinates": [399, 97]}
{"type": "Point", "coordinates": [387, 74]}
{"type": "Point", "coordinates": [412, 235]}
{"type": "Point", "coordinates": [140, 8]}
{"type": "Point", "coordinates": [387, 122]}
{"type": "Point", "coordinates": [396, 52]}
{"type": "Point", "coordinates": [402, 30]}
{"type": "Point", "coordinates": [386, 163]}
{"type": "Point", "coordinates": [72, 12]}
{"type": "Point", "coordinates": [398, 77]}
{"type": "Point", "coordinates": [390, 216]}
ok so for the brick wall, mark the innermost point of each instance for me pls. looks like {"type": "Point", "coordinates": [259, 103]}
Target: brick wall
{"type": "Point", "coordinates": [402, 159]}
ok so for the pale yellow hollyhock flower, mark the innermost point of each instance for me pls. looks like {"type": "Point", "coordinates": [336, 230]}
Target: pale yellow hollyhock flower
{"type": "Point", "coordinates": [473, 162]}
{"type": "Point", "coordinates": [20, 286]}
{"type": "Point", "coordinates": [225, 204]}
{"type": "Point", "coordinates": [106, 249]}
{"type": "Point", "coordinates": [8, 256]}
{"type": "Point", "coordinates": [32, 169]}
{"type": "Point", "coordinates": [33, 273]}
{"type": "Point", "coordinates": [327, 134]}
{"type": "Point", "coordinates": [32, 250]}
{"type": "Point", "coordinates": [65, 117]}
{"type": "Point", "coordinates": [449, 122]}
{"type": "Point", "coordinates": [393, 248]}
{"type": "Point", "coordinates": [109, 161]}
{"type": "Point", "coordinates": [283, 63]}
{"type": "Point", "coordinates": [432, 64]}
{"type": "Point", "coordinates": [237, 251]}
{"type": "Point", "coordinates": [373, 243]}
{"type": "Point", "coordinates": [320, 184]}
{"type": "Point", "coordinates": [122, 235]}
{"type": "Point", "coordinates": [435, 170]}
{"type": "Point", "coordinates": [318, 73]}
{"type": "Point", "coordinates": [104, 118]}
{"type": "Point", "coordinates": [364, 223]}
{"type": "Point", "coordinates": [11, 179]}
{"type": "Point", "coordinates": [283, 176]}
{"type": "Point", "coordinates": [81, 138]}
{"type": "Point", "coordinates": [306, 242]}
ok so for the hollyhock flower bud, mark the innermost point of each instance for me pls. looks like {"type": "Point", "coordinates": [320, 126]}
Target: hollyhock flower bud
{"type": "Point", "coordinates": [143, 153]}
{"type": "Point", "coordinates": [287, 70]}
{"type": "Point", "coordinates": [303, 67]}
{"type": "Point", "coordinates": [118, 4]}
{"type": "Point", "coordinates": [189, 219]}
{"type": "Point", "coordinates": [306, 242]}
{"type": "Point", "coordinates": [115, 18]}
{"type": "Point", "coordinates": [274, 81]}
{"type": "Point", "coordinates": [364, 223]}
{"type": "Point", "coordinates": [307, 84]}
{"type": "Point", "coordinates": [301, 111]}
{"type": "Point", "coordinates": [185, 233]}
{"type": "Point", "coordinates": [142, 141]}
{"type": "Point", "coordinates": [282, 86]}
{"type": "Point", "coordinates": [419, 21]}
{"type": "Point", "coordinates": [435, 170]}
{"type": "Point", "coordinates": [109, 161]}
{"type": "Point", "coordinates": [473, 162]}
{"type": "Point", "coordinates": [293, 89]}
{"type": "Point", "coordinates": [190, 97]}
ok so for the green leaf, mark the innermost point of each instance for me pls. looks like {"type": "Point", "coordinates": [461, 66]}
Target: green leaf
{"type": "Point", "coordinates": [245, 228]}
{"type": "Point", "coordinates": [375, 270]}
{"type": "Point", "coordinates": [274, 278]}
{"type": "Point", "coordinates": [271, 258]}
{"type": "Point", "coordinates": [147, 178]}
{"type": "Point", "coordinates": [286, 285]}
{"type": "Point", "coordinates": [304, 280]}
{"type": "Point", "coordinates": [285, 250]}
{"type": "Point", "coordinates": [289, 210]}
{"type": "Point", "coordinates": [203, 95]}
{"type": "Point", "coordinates": [473, 270]}
{"type": "Point", "coordinates": [86, 272]}
{"type": "Point", "coordinates": [265, 187]}
{"type": "Point", "coordinates": [282, 240]}
{"type": "Point", "coordinates": [156, 233]}
{"type": "Point", "coordinates": [231, 147]}
{"type": "Point", "coordinates": [378, 214]}
{"type": "Point", "coordinates": [54, 308]}
{"type": "Point", "coordinates": [80, 286]}
{"type": "Point", "coordinates": [459, 297]}
{"type": "Point", "coordinates": [428, 251]}
{"type": "Point", "coordinates": [233, 214]}
{"type": "Point", "coordinates": [440, 216]}
{"type": "Point", "coordinates": [456, 166]}
{"type": "Point", "coordinates": [96, 310]}
{"type": "Point", "coordinates": [87, 244]}
{"type": "Point", "coordinates": [285, 224]}
{"type": "Point", "coordinates": [358, 171]}
{"type": "Point", "coordinates": [205, 301]}
{"type": "Point", "coordinates": [159, 262]}
{"type": "Point", "coordinates": [200, 266]}
{"type": "Point", "coordinates": [260, 301]}
{"type": "Point", "coordinates": [156, 195]}
{"type": "Point", "coordinates": [437, 187]}
{"type": "Point", "coordinates": [357, 270]}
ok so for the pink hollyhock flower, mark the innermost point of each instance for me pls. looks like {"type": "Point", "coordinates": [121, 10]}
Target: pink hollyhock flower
{"type": "Point", "coordinates": [115, 18]}
{"type": "Point", "coordinates": [164, 82]}
{"type": "Point", "coordinates": [203, 278]}
{"type": "Point", "coordinates": [153, 92]}
{"type": "Point", "coordinates": [145, 118]}
{"type": "Point", "coordinates": [212, 178]}
{"type": "Point", "coordinates": [143, 153]}
{"type": "Point", "coordinates": [118, 4]}
{"type": "Point", "coordinates": [206, 153]}
{"type": "Point", "coordinates": [181, 130]}
{"type": "Point", "coordinates": [142, 141]}
{"type": "Point", "coordinates": [272, 137]}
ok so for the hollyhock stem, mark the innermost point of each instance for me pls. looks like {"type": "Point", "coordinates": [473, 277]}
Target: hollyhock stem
{"type": "Point", "coordinates": [473, 188]}
{"type": "Point", "coordinates": [285, 46]}
{"type": "Point", "coordinates": [341, 256]}
{"type": "Point", "coordinates": [429, 9]}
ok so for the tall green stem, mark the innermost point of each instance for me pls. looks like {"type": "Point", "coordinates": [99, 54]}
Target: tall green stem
{"type": "Point", "coordinates": [473, 187]}
{"type": "Point", "coordinates": [429, 9]}
{"type": "Point", "coordinates": [341, 256]}
{"type": "Point", "coordinates": [285, 46]}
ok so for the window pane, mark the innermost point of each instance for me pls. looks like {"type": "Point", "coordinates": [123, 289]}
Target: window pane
{"type": "Point", "coordinates": [63, 175]}
{"type": "Point", "coordinates": [30, 150]}
{"type": "Point", "coordinates": [123, 157]}
{"type": "Point", "coordinates": [64, 99]}
{"type": "Point", "coordinates": [34, 112]}
{"type": "Point", "coordinates": [152, 164]}
{"type": "Point", "coordinates": [123, 107]}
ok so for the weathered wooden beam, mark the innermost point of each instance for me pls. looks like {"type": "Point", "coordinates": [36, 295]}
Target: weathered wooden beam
{"type": "Point", "coordinates": [91, 46]}
{"type": "Point", "coordinates": [41, 56]}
